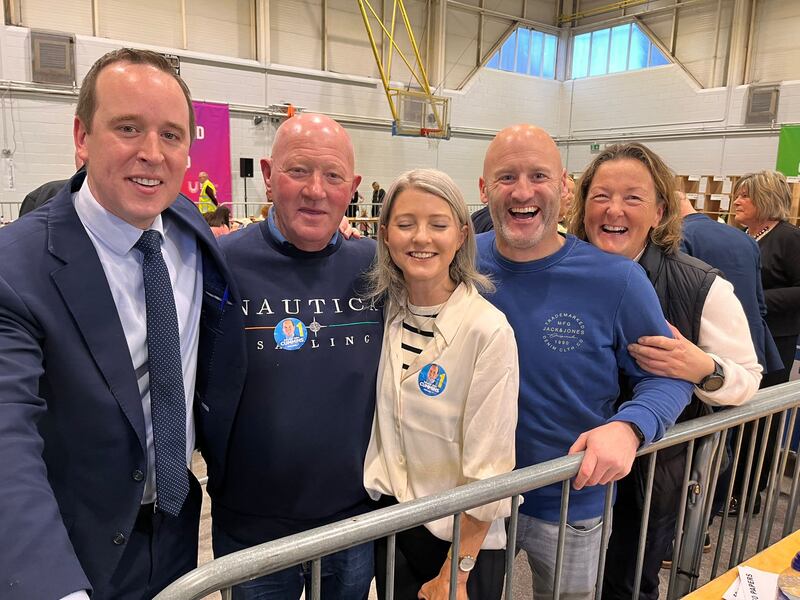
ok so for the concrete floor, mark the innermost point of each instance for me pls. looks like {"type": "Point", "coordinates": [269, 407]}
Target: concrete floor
{"type": "Point", "coordinates": [522, 587]}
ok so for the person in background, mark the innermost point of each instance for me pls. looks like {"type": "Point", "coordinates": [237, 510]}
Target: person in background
{"type": "Point", "coordinates": [567, 197]}
{"type": "Point", "coordinates": [378, 193]}
{"type": "Point", "coordinates": [219, 221]}
{"type": "Point", "coordinates": [761, 204]}
{"type": "Point", "coordinates": [626, 204]}
{"type": "Point", "coordinates": [352, 209]}
{"type": "Point", "coordinates": [455, 359]}
{"type": "Point", "coordinates": [363, 227]}
{"type": "Point", "coordinates": [737, 256]}
{"type": "Point", "coordinates": [482, 220]}
{"type": "Point", "coordinates": [46, 191]}
{"type": "Point", "coordinates": [263, 213]}
{"type": "Point", "coordinates": [208, 194]}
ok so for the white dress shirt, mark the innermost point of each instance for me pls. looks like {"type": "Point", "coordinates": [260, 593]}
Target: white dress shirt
{"type": "Point", "coordinates": [113, 240]}
{"type": "Point", "coordinates": [423, 444]}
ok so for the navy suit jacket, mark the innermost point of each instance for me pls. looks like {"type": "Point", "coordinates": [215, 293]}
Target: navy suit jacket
{"type": "Point", "coordinates": [72, 432]}
{"type": "Point", "coordinates": [735, 254]}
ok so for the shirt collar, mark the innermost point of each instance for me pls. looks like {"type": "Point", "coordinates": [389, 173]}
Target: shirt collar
{"type": "Point", "coordinates": [450, 316]}
{"type": "Point", "coordinates": [118, 235]}
{"type": "Point", "coordinates": [281, 239]}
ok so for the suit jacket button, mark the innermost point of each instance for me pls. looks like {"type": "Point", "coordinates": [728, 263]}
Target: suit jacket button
{"type": "Point", "coordinates": [137, 475]}
{"type": "Point", "coordinates": [118, 539]}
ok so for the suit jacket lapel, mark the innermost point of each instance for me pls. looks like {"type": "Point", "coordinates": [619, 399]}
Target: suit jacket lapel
{"type": "Point", "coordinates": [84, 289]}
{"type": "Point", "coordinates": [185, 213]}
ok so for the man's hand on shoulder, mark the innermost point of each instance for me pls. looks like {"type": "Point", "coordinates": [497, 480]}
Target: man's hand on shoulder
{"type": "Point", "coordinates": [347, 230]}
{"type": "Point", "coordinates": [609, 453]}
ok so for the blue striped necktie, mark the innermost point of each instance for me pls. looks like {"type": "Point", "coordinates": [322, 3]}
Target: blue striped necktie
{"type": "Point", "coordinates": [167, 396]}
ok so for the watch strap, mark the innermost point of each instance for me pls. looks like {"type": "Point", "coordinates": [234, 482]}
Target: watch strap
{"type": "Point", "coordinates": [461, 558]}
{"type": "Point", "coordinates": [637, 431]}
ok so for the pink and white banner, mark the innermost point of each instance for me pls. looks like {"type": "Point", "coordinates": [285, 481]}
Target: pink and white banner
{"type": "Point", "coordinates": [210, 152]}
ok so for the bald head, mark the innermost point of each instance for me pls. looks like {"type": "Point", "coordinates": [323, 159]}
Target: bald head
{"type": "Point", "coordinates": [310, 128]}
{"type": "Point", "coordinates": [522, 138]}
{"type": "Point", "coordinates": [202, 176]}
{"type": "Point", "coordinates": [310, 178]}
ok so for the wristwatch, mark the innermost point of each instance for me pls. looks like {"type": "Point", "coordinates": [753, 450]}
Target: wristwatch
{"type": "Point", "coordinates": [465, 562]}
{"type": "Point", "coordinates": [637, 432]}
{"type": "Point", "coordinates": [714, 381]}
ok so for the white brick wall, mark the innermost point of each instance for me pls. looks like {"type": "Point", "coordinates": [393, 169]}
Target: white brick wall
{"type": "Point", "coordinates": [42, 136]}
{"type": "Point", "coordinates": [662, 96]}
{"type": "Point", "coordinates": [15, 55]}
{"type": "Point", "coordinates": [328, 95]}
{"type": "Point", "coordinates": [212, 84]}
{"type": "Point", "coordinates": [249, 141]}
{"type": "Point", "coordinates": [665, 101]}
{"type": "Point", "coordinates": [496, 99]}
{"type": "Point", "coordinates": [611, 107]}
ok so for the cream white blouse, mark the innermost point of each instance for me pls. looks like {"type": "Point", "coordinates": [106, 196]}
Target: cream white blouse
{"type": "Point", "coordinates": [451, 417]}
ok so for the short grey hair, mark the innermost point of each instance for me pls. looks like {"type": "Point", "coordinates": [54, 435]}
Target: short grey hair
{"type": "Point", "coordinates": [385, 279]}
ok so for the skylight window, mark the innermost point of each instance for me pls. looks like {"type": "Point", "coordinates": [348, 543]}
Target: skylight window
{"type": "Point", "coordinates": [528, 52]}
{"type": "Point", "coordinates": [614, 50]}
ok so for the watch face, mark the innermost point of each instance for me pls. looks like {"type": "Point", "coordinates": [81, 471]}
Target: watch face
{"type": "Point", "coordinates": [466, 563]}
{"type": "Point", "coordinates": [713, 384]}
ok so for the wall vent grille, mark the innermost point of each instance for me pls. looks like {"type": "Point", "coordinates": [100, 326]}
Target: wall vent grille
{"type": "Point", "coordinates": [52, 58]}
{"type": "Point", "coordinates": [762, 104]}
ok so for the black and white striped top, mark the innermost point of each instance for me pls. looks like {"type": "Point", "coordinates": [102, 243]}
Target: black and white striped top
{"type": "Point", "coordinates": [417, 331]}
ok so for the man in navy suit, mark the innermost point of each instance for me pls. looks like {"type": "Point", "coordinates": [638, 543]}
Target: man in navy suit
{"type": "Point", "coordinates": [79, 505]}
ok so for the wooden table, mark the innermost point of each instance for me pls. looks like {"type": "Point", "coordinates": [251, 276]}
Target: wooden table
{"type": "Point", "coordinates": [773, 559]}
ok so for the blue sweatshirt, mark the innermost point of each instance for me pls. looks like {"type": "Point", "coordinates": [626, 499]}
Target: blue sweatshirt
{"type": "Point", "coordinates": [574, 314]}
{"type": "Point", "coordinates": [303, 425]}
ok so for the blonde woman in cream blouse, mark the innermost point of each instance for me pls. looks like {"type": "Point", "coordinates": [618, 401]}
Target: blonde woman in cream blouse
{"type": "Point", "coordinates": [447, 389]}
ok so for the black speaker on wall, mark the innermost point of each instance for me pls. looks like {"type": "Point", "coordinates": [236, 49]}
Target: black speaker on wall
{"type": "Point", "coordinates": [245, 167]}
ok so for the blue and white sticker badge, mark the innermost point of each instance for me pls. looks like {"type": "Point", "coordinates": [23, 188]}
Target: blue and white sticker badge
{"type": "Point", "coordinates": [291, 334]}
{"type": "Point", "coordinates": [432, 379]}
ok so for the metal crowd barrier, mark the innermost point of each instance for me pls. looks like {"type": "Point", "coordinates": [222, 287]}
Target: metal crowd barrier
{"type": "Point", "coordinates": [774, 407]}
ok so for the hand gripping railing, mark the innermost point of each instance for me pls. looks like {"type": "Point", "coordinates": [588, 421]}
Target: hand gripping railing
{"type": "Point", "coordinates": [703, 460]}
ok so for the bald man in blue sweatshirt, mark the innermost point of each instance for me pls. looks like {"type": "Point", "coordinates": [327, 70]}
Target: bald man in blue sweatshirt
{"type": "Point", "coordinates": [574, 309]}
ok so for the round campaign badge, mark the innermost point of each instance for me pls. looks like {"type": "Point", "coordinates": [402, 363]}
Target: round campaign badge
{"type": "Point", "coordinates": [291, 334]}
{"type": "Point", "coordinates": [432, 379]}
